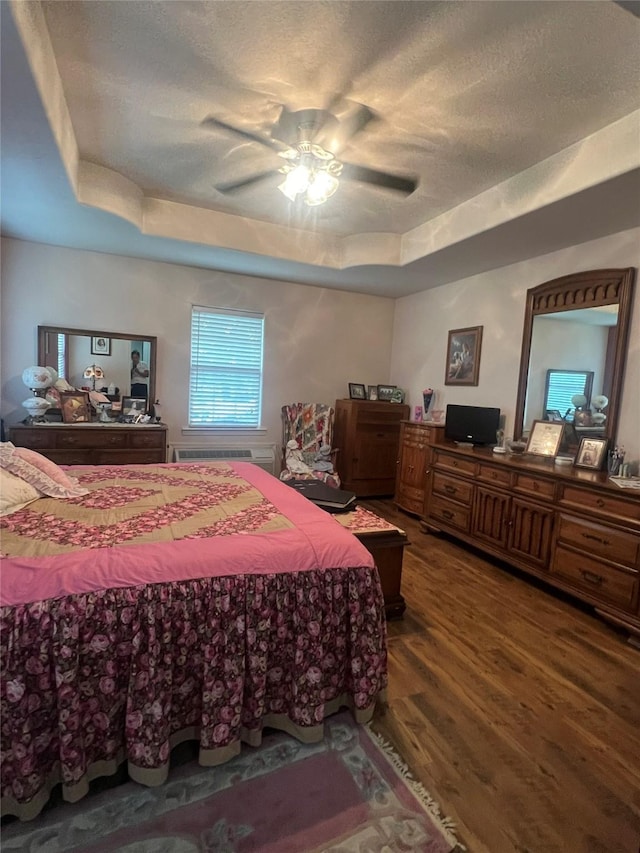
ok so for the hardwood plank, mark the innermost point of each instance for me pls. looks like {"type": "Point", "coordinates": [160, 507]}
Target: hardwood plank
{"type": "Point", "coordinates": [515, 705]}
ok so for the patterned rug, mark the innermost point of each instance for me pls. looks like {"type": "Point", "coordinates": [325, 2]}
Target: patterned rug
{"type": "Point", "coordinates": [348, 794]}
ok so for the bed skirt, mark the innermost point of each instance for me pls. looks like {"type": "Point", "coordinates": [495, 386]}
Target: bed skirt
{"type": "Point", "coordinates": [91, 680]}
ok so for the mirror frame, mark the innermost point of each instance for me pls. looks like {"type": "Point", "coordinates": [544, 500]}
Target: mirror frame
{"type": "Point", "coordinates": [43, 331]}
{"type": "Point", "coordinates": [590, 289]}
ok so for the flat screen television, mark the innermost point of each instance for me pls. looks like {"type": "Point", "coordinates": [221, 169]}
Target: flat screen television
{"type": "Point", "coordinates": [472, 424]}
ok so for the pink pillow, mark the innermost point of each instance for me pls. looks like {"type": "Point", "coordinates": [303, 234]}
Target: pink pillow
{"type": "Point", "coordinates": [47, 466]}
{"type": "Point", "coordinates": [42, 473]}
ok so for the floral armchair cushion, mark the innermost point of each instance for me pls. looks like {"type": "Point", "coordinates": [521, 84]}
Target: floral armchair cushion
{"type": "Point", "coordinates": [311, 426]}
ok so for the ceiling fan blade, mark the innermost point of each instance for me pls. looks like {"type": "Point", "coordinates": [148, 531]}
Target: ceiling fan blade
{"type": "Point", "coordinates": [355, 122]}
{"type": "Point", "coordinates": [378, 179]}
{"type": "Point", "coordinates": [274, 144]}
{"type": "Point", "coordinates": [246, 182]}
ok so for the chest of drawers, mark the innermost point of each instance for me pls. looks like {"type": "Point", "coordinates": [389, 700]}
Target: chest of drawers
{"type": "Point", "coordinates": [94, 444]}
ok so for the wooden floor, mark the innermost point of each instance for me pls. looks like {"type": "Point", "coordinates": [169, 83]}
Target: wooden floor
{"type": "Point", "coordinates": [516, 708]}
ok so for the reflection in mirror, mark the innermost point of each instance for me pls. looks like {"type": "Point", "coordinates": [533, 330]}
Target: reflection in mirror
{"type": "Point", "coordinates": [578, 322]}
{"type": "Point", "coordinates": [100, 360]}
{"type": "Point", "coordinates": [571, 355]}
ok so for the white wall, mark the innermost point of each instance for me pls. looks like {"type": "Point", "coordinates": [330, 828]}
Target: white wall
{"type": "Point", "coordinates": [316, 340]}
{"type": "Point", "coordinates": [496, 300]}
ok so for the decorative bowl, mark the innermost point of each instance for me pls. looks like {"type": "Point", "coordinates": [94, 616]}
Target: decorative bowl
{"type": "Point", "coordinates": [516, 447]}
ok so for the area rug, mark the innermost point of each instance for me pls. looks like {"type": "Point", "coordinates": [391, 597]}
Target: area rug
{"type": "Point", "coordinates": [348, 794]}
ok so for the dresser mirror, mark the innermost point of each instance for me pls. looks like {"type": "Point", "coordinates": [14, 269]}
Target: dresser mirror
{"type": "Point", "coordinates": [75, 353]}
{"type": "Point", "coordinates": [577, 324]}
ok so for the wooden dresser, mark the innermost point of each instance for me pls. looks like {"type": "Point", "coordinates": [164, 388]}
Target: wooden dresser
{"type": "Point", "coordinates": [414, 458]}
{"type": "Point", "coordinates": [367, 435]}
{"type": "Point", "coordinates": [94, 444]}
{"type": "Point", "coordinates": [571, 527]}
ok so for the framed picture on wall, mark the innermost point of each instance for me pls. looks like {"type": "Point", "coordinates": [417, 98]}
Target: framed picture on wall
{"type": "Point", "coordinates": [463, 356]}
{"type": "Point", "coordinates": [100, 345]}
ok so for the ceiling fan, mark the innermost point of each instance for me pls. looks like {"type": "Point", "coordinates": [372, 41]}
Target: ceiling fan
{"type": "Point", "coordinates": [308, 142]}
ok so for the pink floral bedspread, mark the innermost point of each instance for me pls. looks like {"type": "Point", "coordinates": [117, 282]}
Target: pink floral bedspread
{"type": "Point", "coordinates": [175, 602]}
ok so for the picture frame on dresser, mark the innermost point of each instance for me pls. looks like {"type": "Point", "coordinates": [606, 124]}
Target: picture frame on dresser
{"type": "Point", "coordinates": [132, 406]}
{"type": "Point", "coordinates": [385, 393]}
{"type": "Point", "coordinates": [545, 438]}
{"type": "Point", "coordinates": [357, 391]}
{"type": "Point", "coordinates": [75, 407]}
{"type": "Point", "coordinates": [591, 453]}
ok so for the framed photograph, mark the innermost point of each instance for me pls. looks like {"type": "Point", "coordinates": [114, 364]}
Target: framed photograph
{"type": "Point", "coordinates": [553, 415]}
{"type": "Point", "coordinates": [372, 392]}
{"type": "Point", "coordinates": [133, 406]}
{"type": "Point", "coordinates": [75, 407]}
{"type": "Point", "coordinates": [357, 391]}
{"type": "Point", "coordinates": [385, 392]}
{"type": "Point", "coordinates": [544, 438]}
{"type": "Point", "coordinates": [397, 396]}
{"type": "Point", "coordinates": [100, 346]}
{"type": "Point", "coordinates": [591, 453]}
{"type": "Point", "coordinates": [463, 356]}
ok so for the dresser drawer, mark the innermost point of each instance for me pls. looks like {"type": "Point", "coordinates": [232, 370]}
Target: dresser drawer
{"type": "Point", "coordinates": [598, 502]}
{"type": "Point", "coordinates": [452, 488]}
{"type": "Point", "coordinates": [90, 438]}
{"type": "Point", "coordinates": [601, 582]}
{"type": "Point", "coordinates": [454, 463]}
{"type": "Point", "coordinates": [449, 513]}
{"type": "Point", "coordinates": [146, 438]}
{"type": "Point", "coordinates": [35, 438]}
{"type": "Point", "coordinates": [491, 474]}
{"type": "Point", "coordinates": [71, 457]}
{"type": "Point", "coordinates": [614, 545]}
{"type": "Point", "coordinates": [534, 486]}
{"type": "Point", "coordinates": [126, 457]}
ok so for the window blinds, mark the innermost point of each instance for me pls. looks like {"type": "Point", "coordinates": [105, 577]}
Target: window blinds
{"type": "Point", "coordinates": [562, 385]}
{"type": "Point", "coordinates": [225, 388]}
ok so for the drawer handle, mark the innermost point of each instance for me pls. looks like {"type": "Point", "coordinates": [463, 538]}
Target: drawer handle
{"type": "Point", "coordinates": [447, 513]}
{"type": "Point", "coordinates": [591, 577]}
{"type": "Point", "coordinates": [494, 475]}
{"type": "Point", "coordinates": [455, 463]}
{"type": "Point", "coordinates": [113, 439]}
{"type": "Point", "coordinates": [535, 486]}
{"type": "Point", "coordinates": [379, 435]}
{"type": "Point", "coordinates": [599, 502]}
{"type": "Point", "coordinates": [450, 489]}
{"type": "Point", "coordinates": [67, 439]}
{"type": "Point", "coordinates": [596, 538]}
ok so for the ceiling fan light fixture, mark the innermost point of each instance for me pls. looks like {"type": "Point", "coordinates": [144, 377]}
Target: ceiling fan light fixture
{"type": "Point", "coordinates": [321, 187]}
{"type": "Point", "coordinates": [296, 181]}
{"type": "Point", "coordinates": [311, 173]}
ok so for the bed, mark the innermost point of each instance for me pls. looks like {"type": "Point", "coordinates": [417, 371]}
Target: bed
{"type": "Point", "coordinates": [175, 602]}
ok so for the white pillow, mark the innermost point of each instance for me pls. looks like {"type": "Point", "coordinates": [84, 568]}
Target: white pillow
{"type": "Point", "coordinates": [15, 493]}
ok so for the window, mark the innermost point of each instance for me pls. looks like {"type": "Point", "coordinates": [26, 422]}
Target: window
{"type": "Point", "coordinates": [225, 388]}
{"type": "Point", "coordinates": [562, 385]}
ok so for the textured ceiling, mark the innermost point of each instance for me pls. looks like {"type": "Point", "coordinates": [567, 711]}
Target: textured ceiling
{"type": "Point", "coordinates": [466, 96]}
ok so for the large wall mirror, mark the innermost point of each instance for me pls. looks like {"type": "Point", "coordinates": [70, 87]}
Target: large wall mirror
{"type": "Point", "coordinates": [72, 351]}
{"type": "Point", "coordinates": [575, 343]}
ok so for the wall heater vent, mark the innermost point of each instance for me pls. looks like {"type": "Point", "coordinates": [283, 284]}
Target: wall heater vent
{"type": "Point", "coordinates": [264, 457]}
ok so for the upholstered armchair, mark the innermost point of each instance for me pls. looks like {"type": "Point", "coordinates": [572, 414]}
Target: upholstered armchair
{"type": "Point", "coordinates": [310, 426]}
